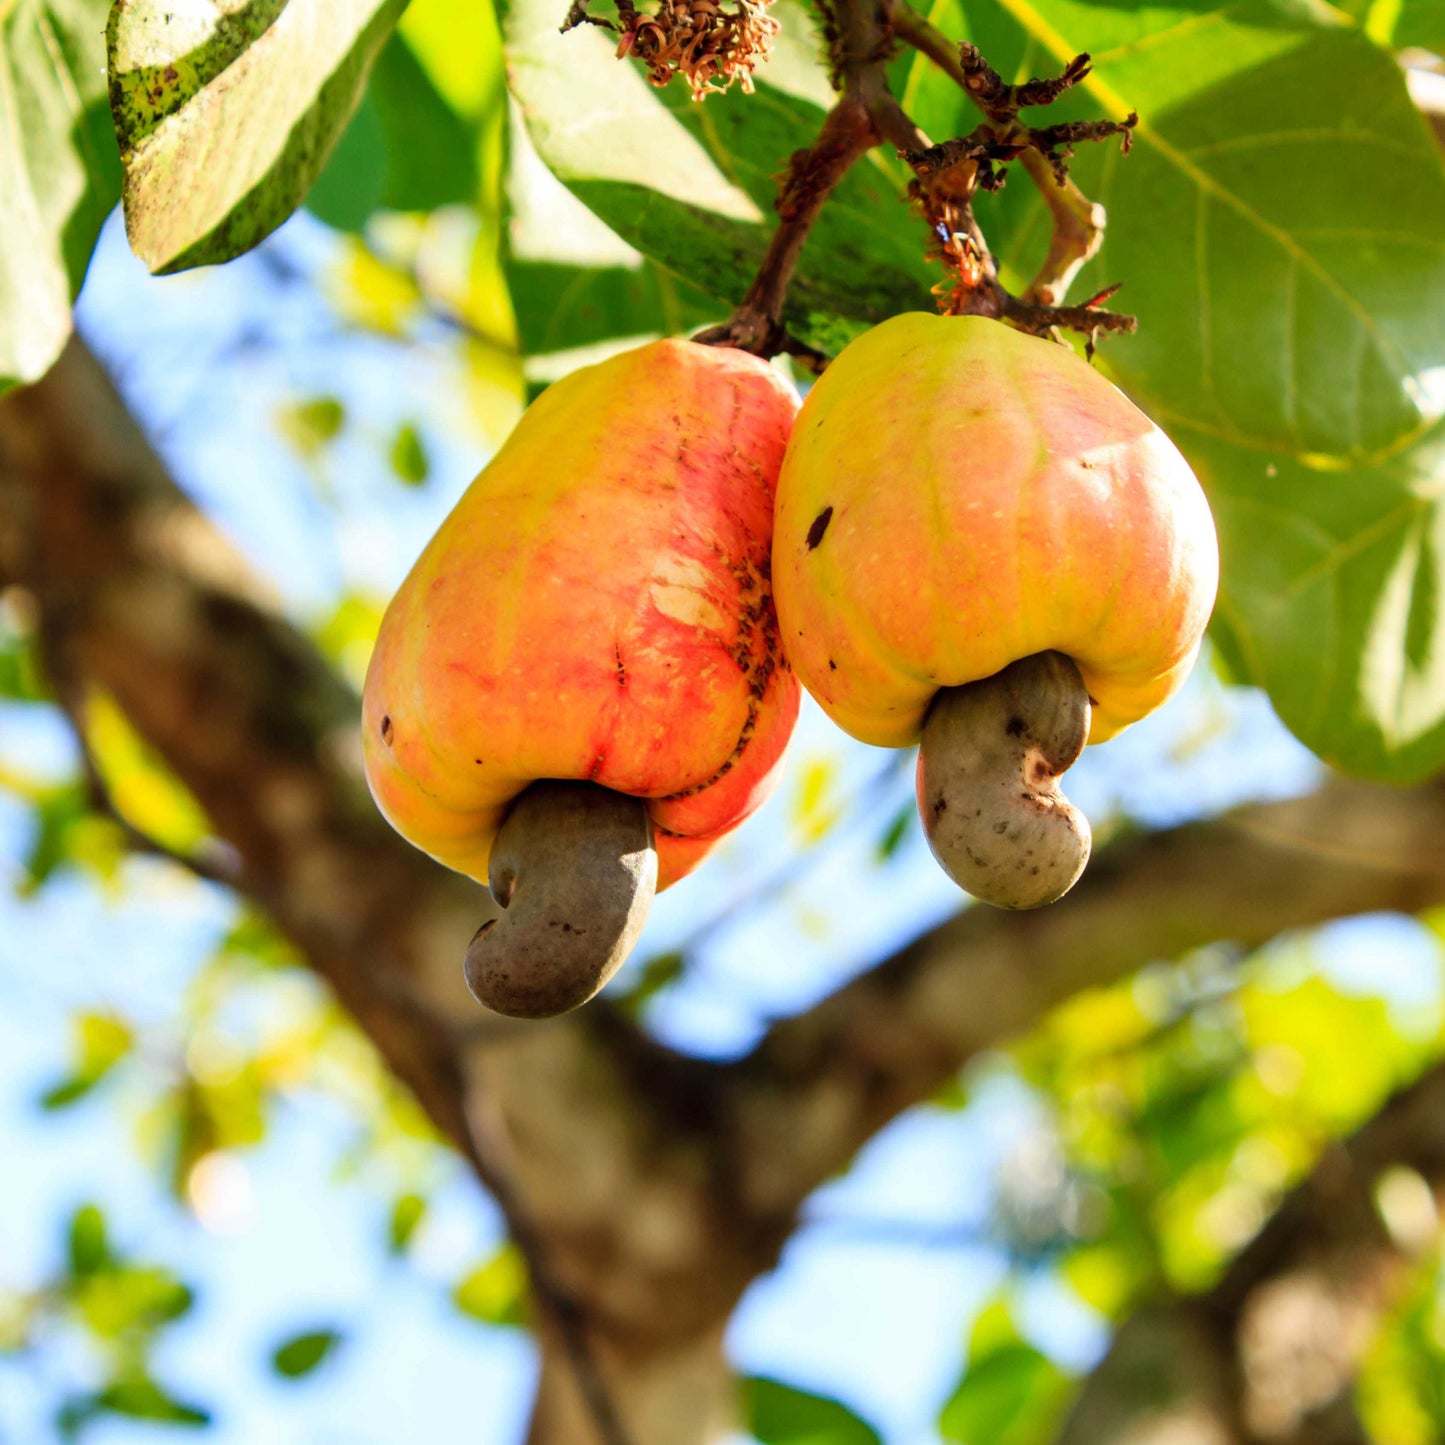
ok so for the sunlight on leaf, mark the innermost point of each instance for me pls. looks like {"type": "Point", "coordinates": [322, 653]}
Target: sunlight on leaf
{"type": "Point", "coordinates": [276, 81]}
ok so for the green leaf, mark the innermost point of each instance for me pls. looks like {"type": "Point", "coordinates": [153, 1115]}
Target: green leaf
{"type": "Point", "coordinates": [1281, 240]}
{"type": "Point", "coordinates": [405, 149]}
{"type": "Point", "coordinates": [408, 456]}
{"type": "Point", "coordinates": [144, 1399]}
{"type": "Point", "coordinates": [648, 980]}
{"type": "Point", "coordinates": [101, 1042]}
{"type": "Point", "coordinates": [495, 1292]}
{"type": "Point", "coordinates": [779, 1414]}
{"type": "Point", "coordinates": [692, 186]}
{"type": "Point", "coordinates": [67, 1091]}
{"type": "Point", "coordinates": [226, 117]}
{"type": "Point", "coordinates": [301, 1354]}
{"type": "Point", "coordinates": [59, 173]}
{"type": "Point", "coordinates": [562, 307]}
{"type": "Point", "coordinates": [897, 830]}
{"type": "Point", "coordinates": [88, 1250]}
{"type": "Point", "coordinates": [407, 1214]}
{"type": "Point", "coordinates": [122, 1299]}
{"type": "Point", "coordinates": [1333, 597]}
{"type": "Point", "coordinates": [311, 424]}
{"type": "Point", "coordinates": [1012, 1395]}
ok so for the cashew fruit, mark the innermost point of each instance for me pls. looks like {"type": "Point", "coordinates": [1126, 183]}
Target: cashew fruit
{"type": "Point", "coordinates": [957, 497]}
{"type": "Point", "coordinates": [597, 607]}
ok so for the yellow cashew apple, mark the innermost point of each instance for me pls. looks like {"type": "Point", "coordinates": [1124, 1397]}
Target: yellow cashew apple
{"type": "Point", "coordinates": [597, 607]}
{"type": "Point", "coordinates": [959, 497]}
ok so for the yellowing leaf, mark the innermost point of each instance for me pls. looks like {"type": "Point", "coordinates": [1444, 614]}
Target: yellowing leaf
{"type": "Point", "coordinates": [144, 791]}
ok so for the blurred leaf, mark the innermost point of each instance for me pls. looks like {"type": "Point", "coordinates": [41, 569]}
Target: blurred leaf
{"type": "Point", "coordinates": [278, 81]}
{"type": "Point", "coordinates": [1404, 23]}
{"type": "Point", "coordinates": [144, 1399]}
{"type": "Point", "coordinates": [16, 1315]}
{"type": "Point", "coordinates": [61, 175]}
{"type": "Point", "coordinates": [693, 186]}
{"type": "Point", "coordinates": [1011, 1395]}
{"type": "Point", "coordinates": [88, 1250]}
{"type": "Point", "coordinates": [1401, 1386]}
{"type": "Point", "coordinates": [100, 1042]}
{"type": "Point", "coordinates": [495, 1292]}
{"type": "Point", "coordinates": [407, 1214]}
{"type": "Point", "coordinates": [405, 149]}
{"type": "Point", "coordinates": [408, 456]}
{"type": "Point", "coordinates": [817, 802]}
{"type": "Point", "coordinates": [301, 1354]}
{"type": "Point", "coordinates": [66, 831]}
{"type": "Point", "coordinates": [655, 974]}
{"type": "Point", "coordinates": [372, 293]}
{"type": "Point", "coordinates": [145, 792]}
{"type": "Point", "coordinates": [460, 48]}
{"type": "Point", "coordinates": [1108, 1278]}
{"type": "Point", "coordinates": [779, 1414]}
{"type": "Point", "coordinates": [897, 831]}
{"type": "Point", "coordinates": [310, 424]}
{"type": "Point", "coordinates": [119, 1299]}
{"type": "Point", "coordinates": [21, 679]}
{"type": "Point", "coordinates": [255, 937]}
{"type": "Point", "coordinates": [67, 1091]}
{"type": "Point", "coordinates": [1322, 1026]}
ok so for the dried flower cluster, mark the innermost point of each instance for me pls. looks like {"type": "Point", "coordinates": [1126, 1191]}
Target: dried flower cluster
{"type": "Point", "coordinates": [708, 46]}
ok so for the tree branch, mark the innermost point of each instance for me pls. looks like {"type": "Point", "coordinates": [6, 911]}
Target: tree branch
{"type": "Point", "coordinates": [1078, 222]}
{"type": "Point", "coordinates": [866, 114]}
{"type": "Point", "coordinates": [820, 1085]}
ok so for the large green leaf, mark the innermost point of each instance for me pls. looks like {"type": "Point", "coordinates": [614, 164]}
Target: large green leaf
{"type": "Point", "coordinates": [59, 174]}
{"type": "Point", "coordinates": [1332, 596]}
{"type": "Point", "coordinates": [692, 186]}
{"type": "Point", "coordinates": [1279, 226]}
{"type": "Point", "coordinates": [227, 115]}
{"type": "Point", "coordinates": [1280, 230]}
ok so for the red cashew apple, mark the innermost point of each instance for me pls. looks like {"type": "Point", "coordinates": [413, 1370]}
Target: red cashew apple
{"type": "Point", "coordinates": [983, 544]}
{"type": "Point", "coordinates": [579, 689]}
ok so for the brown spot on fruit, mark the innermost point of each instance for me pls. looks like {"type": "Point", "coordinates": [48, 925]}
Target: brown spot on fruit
{"type": "Point", "coordinates": [820, 525]}
{"type": "Point", "coordinates": [386, 730]}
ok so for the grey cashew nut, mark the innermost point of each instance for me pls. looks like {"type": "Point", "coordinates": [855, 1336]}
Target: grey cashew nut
{"type": "Point", "coordinates": [574, 870]}
{"type": "Point", "coordinates": [988, 782]}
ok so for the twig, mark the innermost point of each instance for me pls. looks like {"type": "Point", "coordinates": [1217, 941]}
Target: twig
{"type": "Point", "coordinates": [1078, 222]}
{"type": "Point", "coordinates": [859, 42]}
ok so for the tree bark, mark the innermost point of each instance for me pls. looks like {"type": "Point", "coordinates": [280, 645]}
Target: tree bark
{"type": "Point", "coordinates": [646, 1189]}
